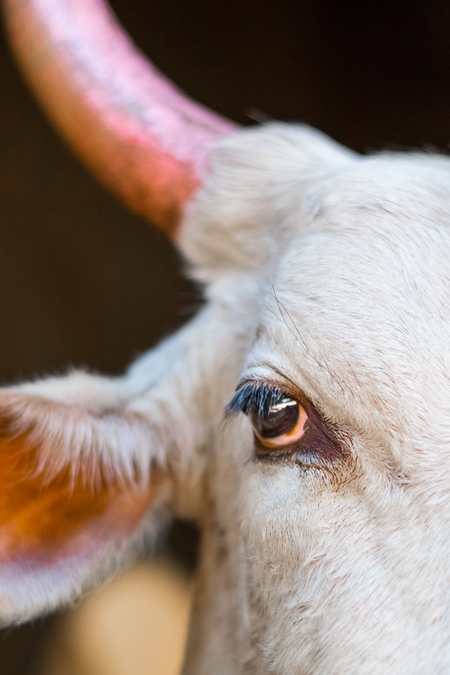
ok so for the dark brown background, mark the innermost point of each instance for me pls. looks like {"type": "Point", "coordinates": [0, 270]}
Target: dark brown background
{"type": "Point", "coordinates": [84, 282]}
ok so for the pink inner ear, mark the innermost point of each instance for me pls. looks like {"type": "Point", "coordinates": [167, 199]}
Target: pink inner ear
{"type": "Point", "coordinates": [46, 518]}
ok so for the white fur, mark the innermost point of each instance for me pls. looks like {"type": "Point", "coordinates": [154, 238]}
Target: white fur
{"type": "Point", "coordinates": [329, 272]}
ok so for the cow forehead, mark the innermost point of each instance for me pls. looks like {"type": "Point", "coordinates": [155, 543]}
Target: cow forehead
{"type": "Point", "coordinates": [357, 310]}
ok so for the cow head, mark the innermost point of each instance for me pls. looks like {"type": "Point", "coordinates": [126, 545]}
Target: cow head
{"type": "Point", "coordinates": [302, 418]}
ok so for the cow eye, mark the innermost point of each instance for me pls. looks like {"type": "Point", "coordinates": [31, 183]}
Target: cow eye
{"type": "Point", "coordinates": [285, 427]}
{"type": "Point", "coordinates": [280, 423]}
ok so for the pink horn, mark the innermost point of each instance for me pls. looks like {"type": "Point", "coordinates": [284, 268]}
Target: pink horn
{"type": "Point", "coordinates": [143, 138]}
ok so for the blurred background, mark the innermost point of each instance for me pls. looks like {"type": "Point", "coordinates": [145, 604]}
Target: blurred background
{"type": "Point", "coordinates": [83, 282]}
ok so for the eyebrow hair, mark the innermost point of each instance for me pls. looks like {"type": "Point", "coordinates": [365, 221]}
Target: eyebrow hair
{"type": "Point", "coordinates": [253, 395]}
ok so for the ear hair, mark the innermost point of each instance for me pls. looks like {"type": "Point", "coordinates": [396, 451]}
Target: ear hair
{"type": "Point", "coordinates": [113, 446]}
{"type": "Point", "coordinates": [75, 497]}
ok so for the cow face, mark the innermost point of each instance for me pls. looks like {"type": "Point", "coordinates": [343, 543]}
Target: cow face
{"type": "Point", "coordinates": [301, 419]}
{"type": "Point", "coordinates": [334, 556]}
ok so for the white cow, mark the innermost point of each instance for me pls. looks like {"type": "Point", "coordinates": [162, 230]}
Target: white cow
{"type": "Point", "coordinates": [302, 419]}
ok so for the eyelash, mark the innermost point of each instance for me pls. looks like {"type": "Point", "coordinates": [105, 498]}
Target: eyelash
{"type": "Point", "coordinates": [253, 396]}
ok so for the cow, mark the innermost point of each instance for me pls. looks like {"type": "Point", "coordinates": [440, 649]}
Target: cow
{"type": "Point", "coordinates": [301, 418]}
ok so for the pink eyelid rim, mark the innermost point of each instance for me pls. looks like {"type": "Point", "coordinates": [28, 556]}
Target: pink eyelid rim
{"type": "Point", "coordinates": [293, 436]}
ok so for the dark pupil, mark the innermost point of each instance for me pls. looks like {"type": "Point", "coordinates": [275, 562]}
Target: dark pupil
{"type": "Point", "coordinates": [277, 418]}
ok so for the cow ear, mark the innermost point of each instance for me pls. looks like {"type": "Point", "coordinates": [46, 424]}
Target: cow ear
{"type": "Point", "coordinates": [77, 491]}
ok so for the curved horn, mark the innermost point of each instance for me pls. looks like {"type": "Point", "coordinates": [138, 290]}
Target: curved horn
{"type": "Point", "coordinates": [140, 135]}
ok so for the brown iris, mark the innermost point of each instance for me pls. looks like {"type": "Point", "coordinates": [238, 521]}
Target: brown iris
{"type": "Point", "coordinates": [279, 424]}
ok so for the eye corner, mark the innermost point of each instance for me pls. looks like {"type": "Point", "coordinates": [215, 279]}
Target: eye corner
{"type": "Point", "coordinates": [241, 399]}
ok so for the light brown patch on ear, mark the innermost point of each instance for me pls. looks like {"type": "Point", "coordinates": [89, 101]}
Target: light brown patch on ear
{"type": "Point", "coordinates": [48, 516]}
